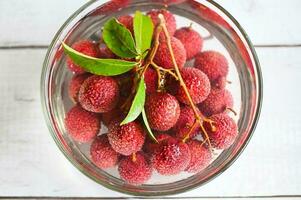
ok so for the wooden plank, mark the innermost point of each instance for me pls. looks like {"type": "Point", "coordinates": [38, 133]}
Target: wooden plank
{"type": "Point", "coordinates": [32, 165]}
{"type": "Point", "coordinates": [266, 21]}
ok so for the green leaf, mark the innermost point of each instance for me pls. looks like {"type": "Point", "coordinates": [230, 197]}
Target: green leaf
{"type": "Point", "coordinates": [143, 29]}
{"type": "Point", "coordinates": [137, 104]}
{"type": "Point", "coordinates": [149, 130]}
{"type": "Point", "coordinates": [119, 39]}
{"type": "Point", "coordinates": [105, 67]}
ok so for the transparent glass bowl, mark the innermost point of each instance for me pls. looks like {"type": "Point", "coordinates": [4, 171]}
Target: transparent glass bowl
{"type": "Point", "coordinates": [221, 32]}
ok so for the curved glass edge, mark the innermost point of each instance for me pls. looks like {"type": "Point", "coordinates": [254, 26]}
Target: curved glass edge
{"type": "Point", "coordinates": [47, 113]}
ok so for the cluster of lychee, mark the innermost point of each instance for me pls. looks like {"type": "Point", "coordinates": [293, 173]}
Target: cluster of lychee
{"type": "Point", "coordinates": [99, 101]}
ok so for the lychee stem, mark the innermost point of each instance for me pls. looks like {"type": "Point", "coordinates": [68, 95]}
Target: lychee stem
{"type": "Point", "coordinates": [134, 157]}
{"type": "Point", "coordinates": [190, 131]}
{"type": "Point", "coordinates": [232, 110]}
{"type": "Point", "coordinates": [199, 118]}
{"type": "Point", "coordinates": [164, 70]}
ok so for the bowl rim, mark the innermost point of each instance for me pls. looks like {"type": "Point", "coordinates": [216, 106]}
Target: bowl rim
{"type": "Point", "coordinates": [47, 116]}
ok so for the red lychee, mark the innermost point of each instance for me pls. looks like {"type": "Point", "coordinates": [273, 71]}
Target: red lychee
{"type": "Point", "coordinates": [185, 123]}
{"type": "Point", "coordinates": [200, 156]}
{"type": "Point", "coordinates": [213, 64]}
{"type": "Point", "coordinates": [192, 41]}
{"type": "Point", "coordinates": [169, 2]}
{"type": "Point", "coordinates": [85, 47]}
{"type": "Point", "coordinates": [75, 84]}
{"type": "Point", "coordinates": [197, 83]}
{"type": "Point", "coordinates": [162, 111]}
{"type": "Point", "coordinates": [163, 57]}
{"type": "Point", "coordinates": [171, 157]}
{"type": "Point", "coordinates": [82, 125]}
{"type": "Point", "coordinates": [150, 146]}
{"type": "Point", "coordinates": [102, 154]}
{"type": "Point", "coordinates": [217, 102]}
{"type": "Point", "coordinates": [135, 170]}
{"type": "Point", "coordinates": [99, 94]}
{"type": "Point", "coordinates": [126, 139]}
{"type": "Point", "coordinates": [110, 7]}
{"type": "Point", "coordinates": [223, 132]}
{"type": "Point", "coordinates": [151, 81]}
{"type": "Point", "coordinates": [169, 19]}
{"type": "Point", "coordinates": [127, 21]}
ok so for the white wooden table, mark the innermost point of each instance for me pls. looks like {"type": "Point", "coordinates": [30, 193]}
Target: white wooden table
{"type": "Point", "coordinates": [32, 166]}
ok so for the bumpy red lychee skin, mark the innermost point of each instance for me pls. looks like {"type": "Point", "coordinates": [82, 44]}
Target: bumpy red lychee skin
{"type": "Point", "coordinates": [192, 41]}
{"type": "Point", "coordinates": [151, 81]}
{"type": "Point", "coordinates": [163, 56]}
{"type": "Point", "coordinates": [171, 157]}
{"type": "Point", "coordinates": [224, 132]}
{"type": "Point", "coordinates": [213, 64]}
{"type": "Point", "coordinates": [200, 156]}
{"type": "Point", "coordinates": [86, 47]}
{"type": "Point", "coordinates": [162, 111]}
{"type": "Point", "coordinates": [185, 123]}
{"type": "Point", "coordinates": [102, 154]}
{"type": "Point", "coordinates": [217, 102]}
{"type": "Point", "coordinates": [126, 139]}
{"type": "Point", "coordinates": [170, 20]}
{"type": "Point", "coordinates": [99, 94]}
{"type": "Point", "coordinates": [127, 21]}
{"type": "Point", "coordinates": [197, 83]}
{"type": "Point", "coordinates": [150, 146]}
{"type": "Point", "coordinates": [82, 125]}
{"type": "Point", "coordinates": [135, 172]}
{"type": "Point", "coordinates": [75, 84]}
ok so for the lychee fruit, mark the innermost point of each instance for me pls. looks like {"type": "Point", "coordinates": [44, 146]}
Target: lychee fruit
{"type": "Point", "coordinates": [99, 94]}
{"type": "Point", "coordinates": [110, 7]}
{"type": "Point", "coordinates": [162, 111]}
{"type": "Point", "coordinates": [135, 170]}
{"type": "Point", "coordinates": [222, 132]}
{"type": "Point", "coordinates": [151, 80]}
{"type": "Point", "coordinates": [85, 47]}
{"type": "Point", "coordinates": [127, 21]}
{"type": "Point", "coordinates": [197, 83]}
{"type": "Point", "coordinates": [171, 157]}
{"type": "Point", "coordinates": [163, 57]}
{"type": "Point", "coordinates": [217, 102]}
{"type": "Point", "coordinates": [200, 156]}
{"type": "Point", "coordinates": [150, 146]}
{"type": "Point", "coordinates": [75, 84]}
{"type": "Point", "coordinates": [192, 41]}
{"type": "Point", "coordinates": [82, 125]}
{"type": "Point", "coordinates": [213, 64]}
{"type": "Point", "coordinates": [169, 2]}
{"type": "Point", "coordinates": [169, 19]}
{"type": "Point", "coordinates": [185, 123]}
{"type": "Point", "coordinates": [126, 139]}
{"type": "Point", "coordinates": [102, 154]}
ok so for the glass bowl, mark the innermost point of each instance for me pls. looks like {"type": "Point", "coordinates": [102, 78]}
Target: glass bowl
{"type": "Point", "coordinates": [221, 32]}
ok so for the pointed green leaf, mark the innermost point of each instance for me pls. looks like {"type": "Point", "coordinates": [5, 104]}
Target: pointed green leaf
{"type": "Point", "coordinates": [137, 104]}
{"type": "Point", "coordinates": [149, 130]}
{"type": "Point", "coordinates": [105, 67]}
{"type": "Point", "coordinates": [143, 29]}
{"type": "Point", "coordinates": [119, 39]}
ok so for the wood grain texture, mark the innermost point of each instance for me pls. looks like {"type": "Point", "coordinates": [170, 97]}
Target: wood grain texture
{"type": "Point", "coordinates": [265, 21]}
{"type": "Point", "coordinates": [32, 165]}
